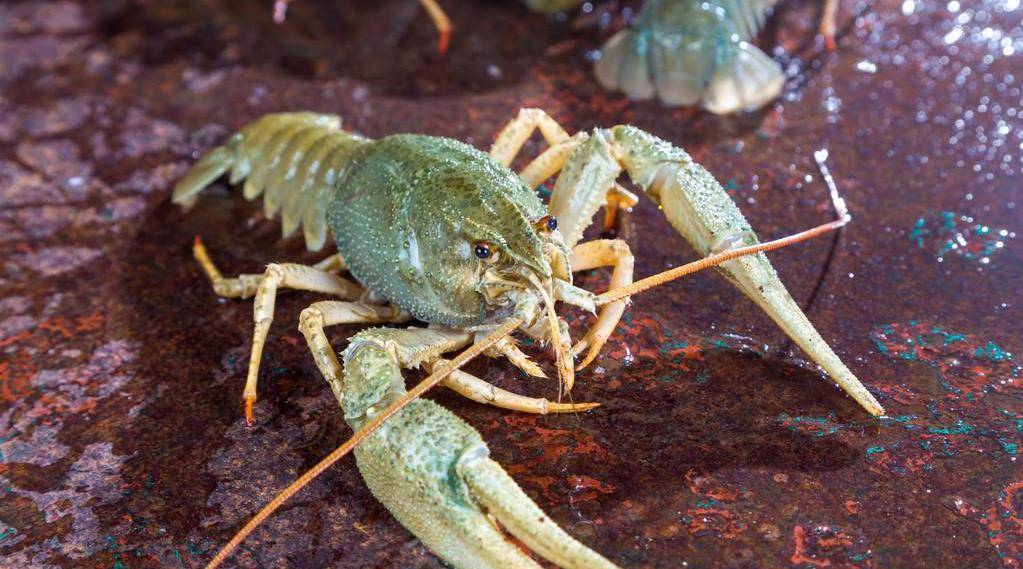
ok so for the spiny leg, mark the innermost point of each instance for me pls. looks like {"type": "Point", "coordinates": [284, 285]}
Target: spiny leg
{"type": "Point", "coordinates": [319, 315]}
{"type": "Point", "coordinates": [245, 285]}
{"type": "Point", "coordinates": [508, 349]}
{"type": "Point", "coordinates": [603, 253]}
{"type": "Point", "coordinates": [291, 276]}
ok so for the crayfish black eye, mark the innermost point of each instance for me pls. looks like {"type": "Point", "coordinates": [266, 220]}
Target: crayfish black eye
{"type": "Point", "coordinates": [483, 250]}
{"type": "Point", "coordinates": [548, 222]}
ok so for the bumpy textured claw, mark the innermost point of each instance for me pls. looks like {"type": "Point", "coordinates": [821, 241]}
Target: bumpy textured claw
{"type": "Point", "coordinates": [700, 209]}
{"type": "Point", "coordinates": [686, 51]}
{"type": "Point", "coordinates": [432, 471]}
{"type": "Point", "coordinates": [703, 213]}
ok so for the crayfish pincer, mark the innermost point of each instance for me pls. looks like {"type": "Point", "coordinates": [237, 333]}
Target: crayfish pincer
{"type": "Point", "coordinates": [432, 229]}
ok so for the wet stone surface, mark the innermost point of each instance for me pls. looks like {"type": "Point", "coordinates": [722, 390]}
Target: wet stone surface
{"type": "Point", "coordinates": [122, 442]}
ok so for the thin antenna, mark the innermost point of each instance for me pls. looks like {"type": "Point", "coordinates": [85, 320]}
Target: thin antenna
{"type": "Point", "coordinates": [717, 259]}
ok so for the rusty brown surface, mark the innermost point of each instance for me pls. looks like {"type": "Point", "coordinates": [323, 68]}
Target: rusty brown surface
{"type": "Point", "coordinates": [717, 445]}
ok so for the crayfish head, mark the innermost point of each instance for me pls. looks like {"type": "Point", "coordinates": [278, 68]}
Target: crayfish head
{"type": "Point", "coordinates": [512, 286]}
{"type": "Point", "coordinates": [518, 290]}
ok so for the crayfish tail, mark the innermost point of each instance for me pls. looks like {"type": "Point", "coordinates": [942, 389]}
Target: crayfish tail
{"type": "Point", "coordinates": [293, 160]}
{"type": "Point", "coordinates": [211, 166]}
{"type": "Point", "coordinates": [684, 52]}
{"type": "Point", "coordinates": [749, 80]}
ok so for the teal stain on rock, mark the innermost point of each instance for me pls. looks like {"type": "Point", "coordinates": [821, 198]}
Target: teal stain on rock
{"type": "Point", "coordinates": [711, 503]}
{"type": "Point", "coordinates": [673, 345]}
{"type": "Point", "coordinates": [919, 231]}
{"type": "Point", "coordinates": [949, 337]}
{"type": "Point", "coordinates": [824, 425]}
{"type": "Point", "coordinates": [993, 352]}
{"type": "Point", "coordinates": [199, 548]}
{"type": "Point", "coordinates": [874, 450]}
{"type": "Point", "coordinates": [8, 533]}
{"type": "Point", "coordinates": [960, 427]}
{"type": "Point", "coordinates": [118, 558]}
{"type": "Point", "coordinates": [1009, 448]}
{"type": "Point", "coordinates": [949, 232]}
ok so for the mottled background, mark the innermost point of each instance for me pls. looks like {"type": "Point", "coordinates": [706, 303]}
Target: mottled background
{"type": "Point", "coordinates": [122, 442]}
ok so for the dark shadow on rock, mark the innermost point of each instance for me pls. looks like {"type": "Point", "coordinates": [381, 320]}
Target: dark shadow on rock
{"type": "Point", "coordinates": [390, 45]}
{"type": "Point", "coordinates": [661, 424]}
{"type": "Point", "coordinates": [193, 352]}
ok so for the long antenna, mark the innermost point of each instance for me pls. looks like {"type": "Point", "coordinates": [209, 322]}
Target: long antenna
{"type": "Point", "coordinates": [436, 377]}
{"type": "Point", "coordinates": [717, 259]}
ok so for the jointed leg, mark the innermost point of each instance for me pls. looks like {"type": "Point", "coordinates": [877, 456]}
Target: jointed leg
{"type": "Point", "coordinates": [242, 286]}
{"type": "Point", "coordinates": [515, 134]}
{"type": "Point", "coordinates": [332, 263]}
{"type": "Point", "coordinates": [551, 161]}
{"type": "Point", "coordinates": [571, 157]}
{"type": "Point", "coordinates": [618, 199]}
{"type": "Point", "coordinates": [480, 391]}
{"type": "Point", "coordinates": [508, 349]}
{"type": "Point", "coordinates": [828, 15]}
{"type": "Point", "coordinates": [292, 276]}
{"type": "Point", "coordinates": [440, 21]}
{"type": "Point", "coordinates": [603, 253]}
{"type": "Point", "coordinates": [245, 285]}
{"type": "Point", "coordinates": [325, 313]}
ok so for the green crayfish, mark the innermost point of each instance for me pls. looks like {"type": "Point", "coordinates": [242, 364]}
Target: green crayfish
{"type": "Point", "coordinates": [434, 230]}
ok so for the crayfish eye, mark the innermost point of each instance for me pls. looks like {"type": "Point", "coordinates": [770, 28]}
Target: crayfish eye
{"type": "Point", "coordinates": [483, 250]}
{"type": "Point", "coordinates": [548, 222]}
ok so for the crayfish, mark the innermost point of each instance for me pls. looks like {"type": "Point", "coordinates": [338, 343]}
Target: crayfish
{"type": "Point", "coordinates": [433, 230]}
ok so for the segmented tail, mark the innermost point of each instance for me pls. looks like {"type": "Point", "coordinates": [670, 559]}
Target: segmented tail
{"type": "Point", "coordinates": [687, 51]}
{"type": "Point", "coordinates": [292, 159]}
